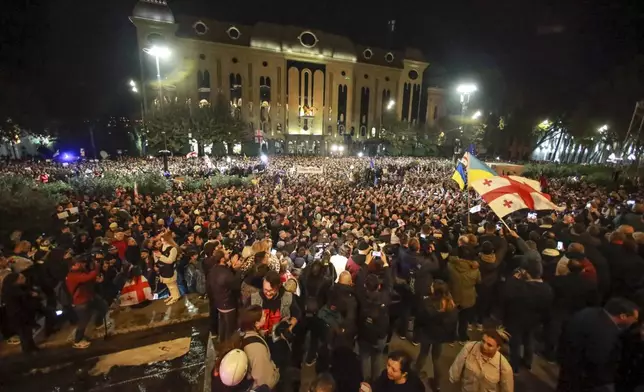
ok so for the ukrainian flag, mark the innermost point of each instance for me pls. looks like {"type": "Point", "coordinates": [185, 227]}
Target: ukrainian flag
{"type": "Point", "coordinates": [470, 169]}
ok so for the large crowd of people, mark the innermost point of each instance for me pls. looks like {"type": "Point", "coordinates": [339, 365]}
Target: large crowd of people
{"type": "Point", "coordinates": [324, 269]}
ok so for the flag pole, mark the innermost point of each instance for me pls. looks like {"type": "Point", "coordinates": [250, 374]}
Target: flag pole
{"type": "Point", "coordinates": [467, 189]}
{"type": "Point", "coordinates": [505, 224]}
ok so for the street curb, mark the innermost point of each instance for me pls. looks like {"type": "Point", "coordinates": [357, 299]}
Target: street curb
{"type": "Point", "coordinates": [61, 355]}
{"type": "Point", "coordinates": [209, 363]}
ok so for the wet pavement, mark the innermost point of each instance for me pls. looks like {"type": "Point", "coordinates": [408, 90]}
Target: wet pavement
{"type": "Point", "coordinates": [180, 349]}
{"type": "Point", "coordinates": [125, 321]}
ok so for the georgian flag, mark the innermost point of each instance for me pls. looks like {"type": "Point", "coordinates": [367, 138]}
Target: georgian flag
{"type": "Point", "coordinates": [506, 194]}
{"type": "Point", "coordinates": [135, 291]}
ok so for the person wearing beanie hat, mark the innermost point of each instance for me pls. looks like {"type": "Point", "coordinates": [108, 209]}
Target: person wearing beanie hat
{"type": "Point", "coordinates": [489, 267]}
{"type": "Point", "coordinates": [525, 303]}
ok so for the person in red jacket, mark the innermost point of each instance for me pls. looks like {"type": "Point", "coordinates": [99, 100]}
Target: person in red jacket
{"type": "Point", "coordinates": [120, 242]}
{"type": "Point", "coordinates": [80, 285]}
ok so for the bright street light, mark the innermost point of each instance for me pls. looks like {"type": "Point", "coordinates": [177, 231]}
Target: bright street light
{"type": "Point", "coordinates": [360, 154]}
{"type": "Point", "coordinates": [603, 129]}
{"type": "Point", "coordinates": [132, 83]}
{"type": "Point", "coordinates": [158, 51]}
{"type": "Point", "coordinates": [341, 148]}
{"type": "Point", "coordinates": [391, 104]}
{"type": "Point", "coordinates": [264, 158]}
{"type": "Point", "coordinates": [466, 88]}
{"type": "Point", "coordinates": [545, 124]}
{"type": "Point", "coordinates": [334, 147]}
{"type": "Point", "coordinates": [476, 115]}
{"type": "Point", "coordinates": [134, 89]}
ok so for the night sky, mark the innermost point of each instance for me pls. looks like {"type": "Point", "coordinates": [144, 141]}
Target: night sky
{"type": "Point", "coordinates": [71, 59]}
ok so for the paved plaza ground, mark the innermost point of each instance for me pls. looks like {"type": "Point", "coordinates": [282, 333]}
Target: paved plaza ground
{"type": "Point", "coordinates": [165, 348]}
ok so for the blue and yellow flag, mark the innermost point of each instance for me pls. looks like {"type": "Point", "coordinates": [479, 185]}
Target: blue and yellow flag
{"type": "Point", "coordinates": [470, 169]}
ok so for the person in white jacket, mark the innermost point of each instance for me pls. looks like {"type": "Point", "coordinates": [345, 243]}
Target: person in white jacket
{"type": "Point", "coordinates": [166, 259]}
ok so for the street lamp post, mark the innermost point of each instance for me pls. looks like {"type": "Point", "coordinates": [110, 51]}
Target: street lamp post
{"type": "Point", "coordinates": [466, 90]}
{"type": "Point", "coordinates": [144, 138]}
{"type": "Point", "coordinates": [158, 52]}
{"type": "Point", "coordinates": [165, 153]}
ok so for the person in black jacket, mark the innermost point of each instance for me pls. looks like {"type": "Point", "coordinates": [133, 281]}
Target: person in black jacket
{"type": "Point", "coordinates": [572, 293]}
{"type": "Point", "coordinates": [315, 284]}
{"type": "Point", "coordinates": [485, 291]}
{"type": "Point", "coordinates": [374, 298]}
{"type": "Point", "coordinates": [625, 264]}
{"type": "Point", "coordinates": [525, 304]}
{"type": "Point", "coordinates": [398, 376]}
{"type": "Point", "coordinates": [20, 309]}
{"type": "Point", "coordinates": [590, 346]}
{"type": "Point", "coordinates": [436, 320]}
{"type": "Point", "coordinates": [223, 285]}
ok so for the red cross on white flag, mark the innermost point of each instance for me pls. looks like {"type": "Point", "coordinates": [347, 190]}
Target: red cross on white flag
{"type": "Point", "coordinates": [506, 194]}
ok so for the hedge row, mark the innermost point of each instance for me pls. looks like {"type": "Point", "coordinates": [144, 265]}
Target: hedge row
{"type": "Point", "coordinates": [29, 206]}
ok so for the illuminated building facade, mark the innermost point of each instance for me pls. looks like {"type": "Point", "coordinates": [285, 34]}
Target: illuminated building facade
{"type": "Point", "coordinates": [300, 89]}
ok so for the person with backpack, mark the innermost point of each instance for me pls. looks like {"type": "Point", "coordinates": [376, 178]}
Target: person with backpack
{"type": "Point", "coordinates": [315, 287]}
{"type": "Point", "coordinates": [279, 308]}
{"type": "Point", "coordinates": [374, 298]}
{"type": "Point", "coordinates": [436, 322]}
{"type": "Point", "coordinates": [261, 369]}
{"type": "Point", "coordinates": [480, 366]}
{"type": "Point", "coordinates": [464, 275]}
{"type": "Point", "coordinates": [194, 275]}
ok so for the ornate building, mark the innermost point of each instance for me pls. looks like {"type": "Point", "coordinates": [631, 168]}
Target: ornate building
{"type": "Point", "coordinates": [298, 88]}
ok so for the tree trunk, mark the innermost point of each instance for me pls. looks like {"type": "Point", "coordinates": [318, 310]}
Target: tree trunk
{"type": "Point", "coordinates": [200, 148]}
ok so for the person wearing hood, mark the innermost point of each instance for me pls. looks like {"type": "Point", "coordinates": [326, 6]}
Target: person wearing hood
{"type": "Point", "coordinates": [20, 307]}
{"type": "Point", "coordinates": [464, 275]}
{"type": "Point", "coordinates": [525, 305]}
{"type": "Point", "coordinates": [489, 267]}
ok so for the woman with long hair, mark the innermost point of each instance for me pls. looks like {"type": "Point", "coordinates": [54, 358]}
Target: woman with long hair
{"type": "Point", "coordinates": [262, 369]}
{"type": "Point", "coordinates": [436, 318]}
{"type": "Point", "coordinates": [166, 259]}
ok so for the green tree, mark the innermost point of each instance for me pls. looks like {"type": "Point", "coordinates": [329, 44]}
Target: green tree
{"type": "Point", "coordinates": [206, 124]}
{"type": "Point", "coordinates": [399, 135]}
{"type": "Point", "coordinates": [229, 130]}
{"type": "Point", "coordinates": [10, 133]}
